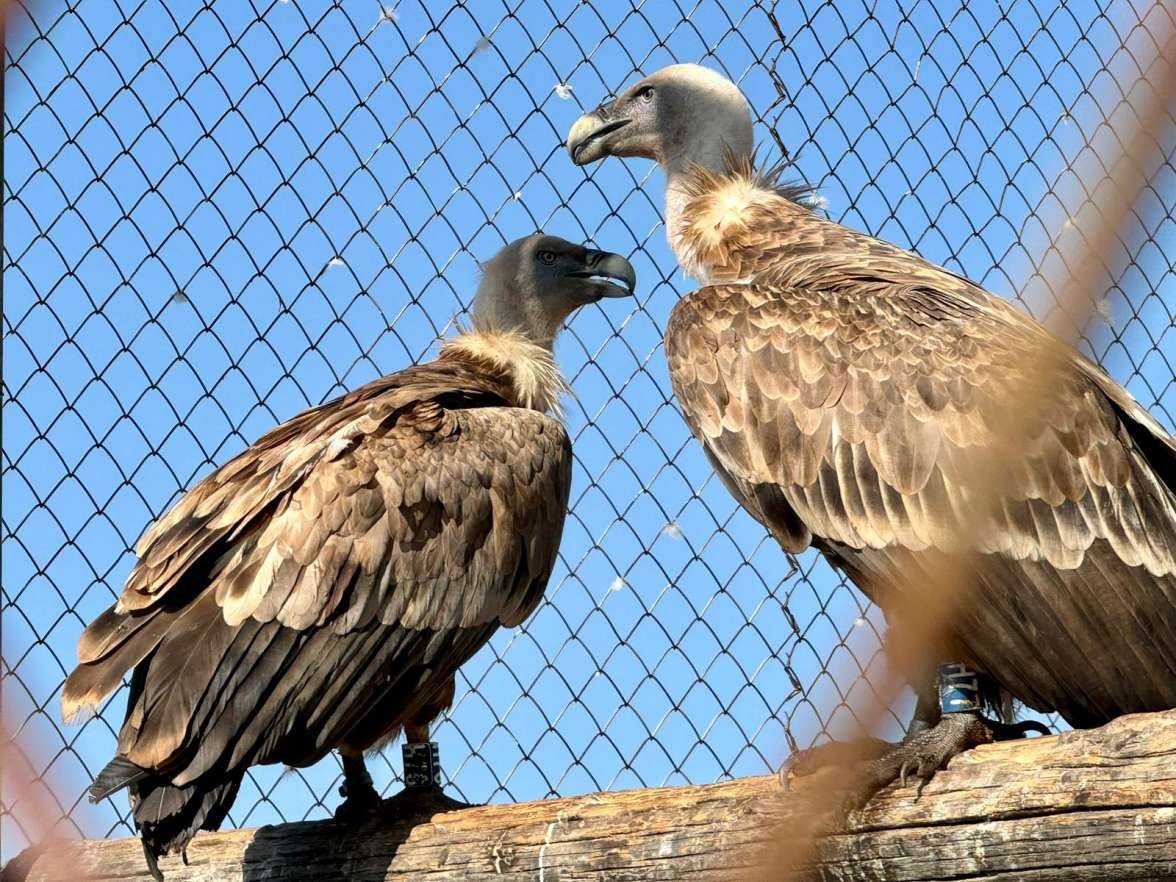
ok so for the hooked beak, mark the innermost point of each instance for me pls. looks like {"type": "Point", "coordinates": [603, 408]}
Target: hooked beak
{"type": "Point", "coordinates": [588, 135]}
{"type": "Point", "coordinates": [600, 266]}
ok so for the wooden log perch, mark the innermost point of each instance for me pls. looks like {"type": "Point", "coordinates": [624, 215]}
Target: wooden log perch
{"type": "Point", "coordinates": [1098, 804]}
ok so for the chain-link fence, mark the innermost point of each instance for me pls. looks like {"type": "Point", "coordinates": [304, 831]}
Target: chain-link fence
{"type": "Point", "coordinates": [216, 216]}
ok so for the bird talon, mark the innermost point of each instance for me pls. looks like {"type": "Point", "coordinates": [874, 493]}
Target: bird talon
{"type": "Point", "coordinates": [902, 773]}
{"type": "Point", "coordinates": [926, 771]}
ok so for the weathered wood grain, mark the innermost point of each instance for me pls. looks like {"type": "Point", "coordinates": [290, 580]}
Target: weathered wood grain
{"type": "Point", "coordinates": [1099, 804]}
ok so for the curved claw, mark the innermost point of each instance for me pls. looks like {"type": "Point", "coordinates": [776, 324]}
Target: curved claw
{"type": "Point", "coordinates": [924, 780]}
{"type": "Point", "coordinates": [916, 767]}
{"type": "Point", "coordinates": [908, 766]}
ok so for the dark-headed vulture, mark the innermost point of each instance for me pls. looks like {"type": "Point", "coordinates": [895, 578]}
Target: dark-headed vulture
{"type": "Point", "coordinates": [320, 590]}
{"type": "Point", "coordinates": [839, 385]}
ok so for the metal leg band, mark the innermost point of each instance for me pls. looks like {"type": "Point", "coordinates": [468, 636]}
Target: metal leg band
{"type": "Point", "coordinates": [422, 764]}
{"type": "Point", "coordinates": [959, 689]}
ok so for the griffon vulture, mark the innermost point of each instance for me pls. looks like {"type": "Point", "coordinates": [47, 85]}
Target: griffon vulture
{"type": "Point", "coordinates": [319, 590]}
{"type": "Point", "coordinates": [837, 383]}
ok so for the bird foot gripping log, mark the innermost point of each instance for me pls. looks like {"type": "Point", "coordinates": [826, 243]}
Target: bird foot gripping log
{"type": "Point", "coordinates": [927, 749]}
{"type": "Point", "coordinates": [422, 792]}
{"type": "Point", "coordinates": [360, 797]}
{"type": "Point", "coordinates": [422, 795]}
{"type": "Point", "coordinates": [961, 691]}
{"type": "Point", "coordinates": [873, 764]}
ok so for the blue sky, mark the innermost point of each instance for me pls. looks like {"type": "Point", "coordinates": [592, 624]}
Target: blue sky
{"type": "Point", "coordinates": [216, 217]}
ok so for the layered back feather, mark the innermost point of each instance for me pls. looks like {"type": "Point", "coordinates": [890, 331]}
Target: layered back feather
{"type": "Point", "coordinates": [321, 589]}
{"type": "Point", "coordinates": [841, 385]}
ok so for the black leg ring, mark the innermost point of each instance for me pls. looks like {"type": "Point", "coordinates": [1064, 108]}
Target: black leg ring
{"type": "Point", "coordinates": [422, 764]}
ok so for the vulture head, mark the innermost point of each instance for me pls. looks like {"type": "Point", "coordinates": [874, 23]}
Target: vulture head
{"type": "Point", "coordinates": [533, 284]}
{"type": "Point", "coordinates": [682, 115]}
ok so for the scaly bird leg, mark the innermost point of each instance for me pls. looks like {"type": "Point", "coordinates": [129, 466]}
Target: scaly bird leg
{"type": "Point", "coordinates": [360, 799]}
{"type": "Point", "coordinates": [851, 754]}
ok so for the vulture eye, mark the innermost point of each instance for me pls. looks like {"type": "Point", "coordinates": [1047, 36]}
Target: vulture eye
{"type": "Point", "coordinates": [646, 94]}
{"type": "Point", "coordinates": [547, 257]}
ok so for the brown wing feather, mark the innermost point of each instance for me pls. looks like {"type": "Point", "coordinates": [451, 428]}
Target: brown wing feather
{"type": "Point", "coordinates": [843, 416]}
{"type": "Point", "coordinates": [396, 507]}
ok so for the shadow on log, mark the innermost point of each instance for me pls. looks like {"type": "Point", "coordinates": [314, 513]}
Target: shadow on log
{"type": "Point", "coordinates": [1097, 804]}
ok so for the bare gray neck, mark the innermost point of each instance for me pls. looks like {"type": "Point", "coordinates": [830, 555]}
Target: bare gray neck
{"type": "Point", "coordinates": [513, 313]}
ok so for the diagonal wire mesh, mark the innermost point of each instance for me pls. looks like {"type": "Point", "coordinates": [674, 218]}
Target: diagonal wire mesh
{"type": "Point", "coordinates": [216, 216]}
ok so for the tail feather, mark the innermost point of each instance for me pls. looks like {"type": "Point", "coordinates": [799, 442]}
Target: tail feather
{"type": "Point", "coordinates": [152, 862]}
{"type": "Point", "coordinates": [168, 817]}
{"type": "Point", "coordinates": [120, 772]}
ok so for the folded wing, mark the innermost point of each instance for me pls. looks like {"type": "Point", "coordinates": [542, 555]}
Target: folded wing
{"type": "Point", "coordinates": [363, 550]}
{"type": "Point", "coordinates": [848, 419]}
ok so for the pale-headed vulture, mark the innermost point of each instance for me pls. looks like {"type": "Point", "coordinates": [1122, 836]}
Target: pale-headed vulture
{"type": "Point", "coordinates": [839, 385]}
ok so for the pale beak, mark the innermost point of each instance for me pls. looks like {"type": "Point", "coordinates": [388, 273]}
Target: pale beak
{"type": "Point", "coordinates": [587, 139]}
